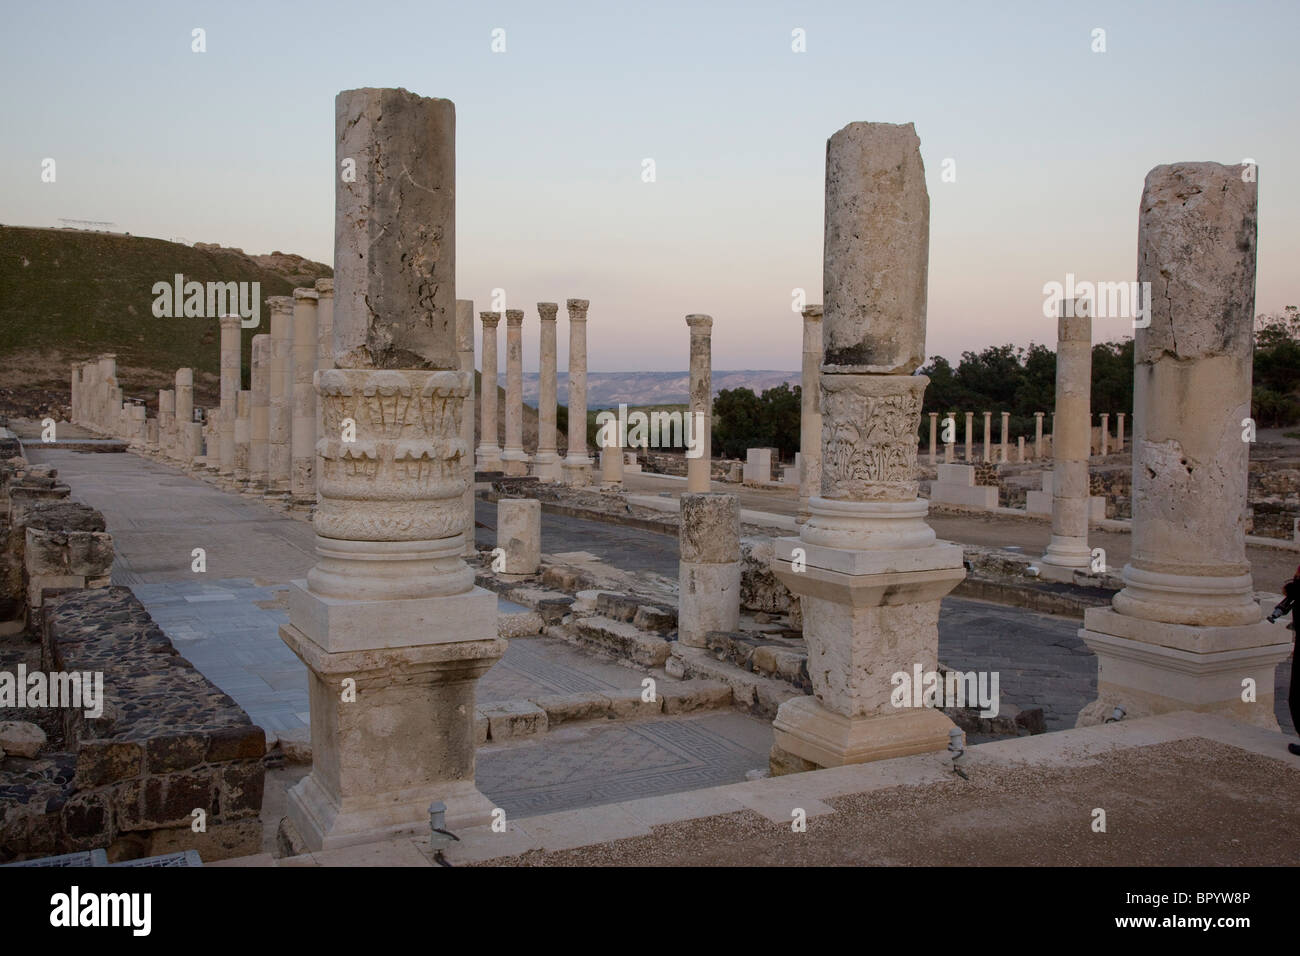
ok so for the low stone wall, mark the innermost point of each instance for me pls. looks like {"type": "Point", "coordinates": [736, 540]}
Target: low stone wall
{"type": "Point", "coordinates": [167, 744]}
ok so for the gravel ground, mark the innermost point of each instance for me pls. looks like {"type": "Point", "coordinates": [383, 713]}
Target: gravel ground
{"type": "Point", "coordinates": [1191, 803]}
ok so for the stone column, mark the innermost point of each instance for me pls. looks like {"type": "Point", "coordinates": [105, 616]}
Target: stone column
{"type": "Point", "coordinates": [577, 464]}
{"type": "Point", "coordinates": [489, 453]}
{"type": "Point", "coordinates": [513, 457]}
{"type": "Point", "coordinates": [701, 404]}
{"type": "Point", "coordinates": [950, 448]}
{"type": "Point", "coordinates": [389, 623]}
{"type": "Point", "coordinates": [970, 437]}
{"type": "Point", "coordinates": [325, 323]}
{"type": "Point", "coordinates": [166, 420]}
{"type": "Point", "coordinates": [107, 391]}
{"type": "Point", "coordinates": [1006, 437]}
{"type": "Point", "coordinates": [138, 427]}
{"type": "Point", "coordinates": [1038, 434]}
{"type": "Point", "coordinates": [1185, 633]}
{"type": "Point", "coordinates": [280, 416]}
{"type": "Point", "coordinates": [231, 367]}
{"type": "Point", "coordinates": [76, 387]}
{"type": "Point", "coordinates": [1119, 437]}
{"type": "Point", "coordinates": [1105, 433]}
{"type": "Point", "coordinates": [709, 566]}
{"type": "Point", "coordinates": [465, 353]}
{"type": "Point", "coordinates": [1067, 550]}
{"type": "Point", "coordinates": [934, 424]}
{"type": "Point", "coordinates": [1020, 449]}
{"type": "Point", "coordinates": [546, 463]}
{"type": "Point", "coordinates": [810, 413]}
{"type": "Point", "coordinates": [302, 476]}
{"type": "Point", "coordinates": [988, 436]}
{"type": "Point", "coordinates": [866, 566]}
{"type": "Point", "coordinates": [243, 434]}
{"type": "Point", "coordinates": [519, 535]}
{"type": "Point", "coordinates": [184, 449]}
{"type": "Point", "coordinates": [259, 422]}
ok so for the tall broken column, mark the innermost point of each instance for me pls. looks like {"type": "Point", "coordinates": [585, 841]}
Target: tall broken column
{"type": "Point", "coordinates": [810, 412]}
{"type": "Point", "coordinates": [1038, 434]}
{"type": "Point", "coordinates": [390, 610]}
{"type": "Point", "coordinates": [465, 354]}
{"type": "Point", "coordinates": [183, 449]}
{"type": "Point", "coordinates": [166, 420]}
{"type": "Point", "coordinates": [489, 453]}
{"type": "Point", "coordinates": [988, 436]}
{"type": "Point", "coordinates": [1067, 550]}
{"type": "Point", "coordinates": [708, 566]}
{"type": "Point", "coordinates": [513, 458]}
{"type": "Point", "coordinates": [1006, 437]}
{"type": "Point", "coordinates": [866, 566]}
{"type": "Point", "coordinates": [230, 373]}
{"type": "Point", "coordinates": [280, 416]}
{"type": "Point", "coordinates": [243, 435]}
{"type": "Point", "coordinates": [325, 323]}
{"type": "Point", "coordinates": [546, 463]}
{"type": "Point", "coordinates": [259, 422]}
{"type": "Point", "coordinates": [577, 464]}
{"type": "Point", "coordinates": [1185, 633]}
{"type": "Point", "coordinates": [302, 477]}
{"type": "Point", "coordinates": [699, 458]}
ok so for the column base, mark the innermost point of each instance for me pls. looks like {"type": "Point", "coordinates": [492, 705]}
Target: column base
{"type": "Point", "coordinates": [547, 466]}
{"type": "Point", "coordinates": [1151, 667]}
{"type": "Point", "coordinates": [515, 462]}
{"type": "Point", "coordinates": [577, 472]}
{"type": "Point", "coordinates": [1063, 557]}
{"type": "Point", "coordinates": [487, 458]}
{"type": "Point", "coordinates": [806, 730]}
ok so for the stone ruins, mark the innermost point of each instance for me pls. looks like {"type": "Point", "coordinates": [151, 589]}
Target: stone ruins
{"type": "Point", "coordinates": [414, 607]}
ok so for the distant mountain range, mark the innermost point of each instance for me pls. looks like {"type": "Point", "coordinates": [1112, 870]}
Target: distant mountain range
{"type": "Point", "coordinates": [607, 389]}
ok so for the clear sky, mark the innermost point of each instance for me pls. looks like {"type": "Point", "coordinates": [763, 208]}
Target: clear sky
{"type": "Point", "coordinates": [1051, 143]}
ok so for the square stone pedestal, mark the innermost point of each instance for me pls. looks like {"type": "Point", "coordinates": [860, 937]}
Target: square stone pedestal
{"type": "Point", "coordinates": [515, 464]}
{"type": "Point", "coordinates": [576, 472]}
{"type": "Point", "coordinates": [548, 467]}
{"type": "Point", "coordinates": [392, 728]}
{"type": "Point", "coordinates": [1149, 667]}
{"type": "Point", "coordinates": [867, 615]}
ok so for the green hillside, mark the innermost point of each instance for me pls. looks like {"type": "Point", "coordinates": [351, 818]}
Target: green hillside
{"type": "Point", "coordinates": [69, 295]}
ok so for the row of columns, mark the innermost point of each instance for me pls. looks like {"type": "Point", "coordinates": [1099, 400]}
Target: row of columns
{"type": "Point", "coordinates": [1001, 452]}
{"type": "Point", "coordinates": [574, 469]}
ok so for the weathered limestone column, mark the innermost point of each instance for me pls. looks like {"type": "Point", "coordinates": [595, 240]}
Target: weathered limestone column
{"type": "Point", "coordinates": [325, 323]}
{"type": "Point", "coordinates": [465, 353]}
{"type": "Point", "coordinates": [1067, 550]}
{"type": "Point", "coordinates": [1006, 437]}
{"type": "Point", "coordinates": [1020, 448]}
{"type": "Point", "coordinates": [519, 535]}
{"type": "Point", "coordinates": [166, 420]}
{"type": "Point", "coordinates": [184, 447]}
{"type": "Point", "coordinates": [1038, 435]}
{"type": "Point", "coordinates": [107, 391]}
{"type": "Point", "coordinates": [489, 453]}
{"type": "Point", "coordinates": [243, 434]}
{"type": "Point", "coordinates": [1105, 433]}
{"type": "Point", "coordinates": [698, 469]}
{"type": "Point", "coordinates": [1186, 633]}
{"type": "Point", "coordinates": [280, 416]}
{"type": "Point", "coordinates": [1119, 438]}
{"type": "Point", "coordinates": [950, 448]}
{"type": "Point", "coordinates": [577, 464]}
{"type": "Point", "coordinates": [934, 424]}
{"type": "Point", "coordinates": [513, 457]}
{"type": "Point", "coordinates": [230, 372]}
{"type": "Point", "coordinates": [810, 413]}
{"type": "Point", "coordinates": [390, 610]}
{"type": "Point", "coordinates": [546, 463]}
{"type": "Point", "coordinates": [302, 477]}
{"type": "Point", "coordinates": [611, 460]}
{"type": "Point", "coordinates": [866, 566]}
{"type": "Point", "coordinates": [970, 436]}
{"type": "Point", "coordinates": [259, 422]}
{"type": "Point", "coordinates": [76, 387]}
{"type": "Point", "coordinates": [709, 566]}
{"type": "Point", "coordinates": [988, 436]}
{"type": "Point", "coordinates": [138, 427]}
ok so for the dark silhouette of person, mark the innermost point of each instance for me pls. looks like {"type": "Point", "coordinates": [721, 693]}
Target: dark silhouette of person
{"type": "Point", "coordinates": [1291, 605]}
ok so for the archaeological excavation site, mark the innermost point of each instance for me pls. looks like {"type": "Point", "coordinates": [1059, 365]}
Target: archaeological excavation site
{"type": "Point", "coordinates": [312, 561]}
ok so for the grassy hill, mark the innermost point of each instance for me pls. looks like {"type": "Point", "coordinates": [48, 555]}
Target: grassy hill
{"type": "Point", "coordinates": [69, 295]}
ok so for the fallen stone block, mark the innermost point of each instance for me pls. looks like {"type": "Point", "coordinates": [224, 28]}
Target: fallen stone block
{"type": "Point", "coordinates": [567, 708]}
{"type": "Point", "coordinates": [623, 640]}
{"type": "Point", "coordinates": [694, 695]}
{"type": "Point", "coordinates": [618, 607]}
{"type": "Point", "coordinates": [21, 739]}
{"type": "Point", "coordinates": [514, 718]}
{"type": "Point", "coordinates": [651, 618]}
{"type": "Point", "coordinates": [626, 704]}
{"type": "Point", "coordinates": [519, 624]}
{"type": "Point", "coordinates": [554, 609]}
